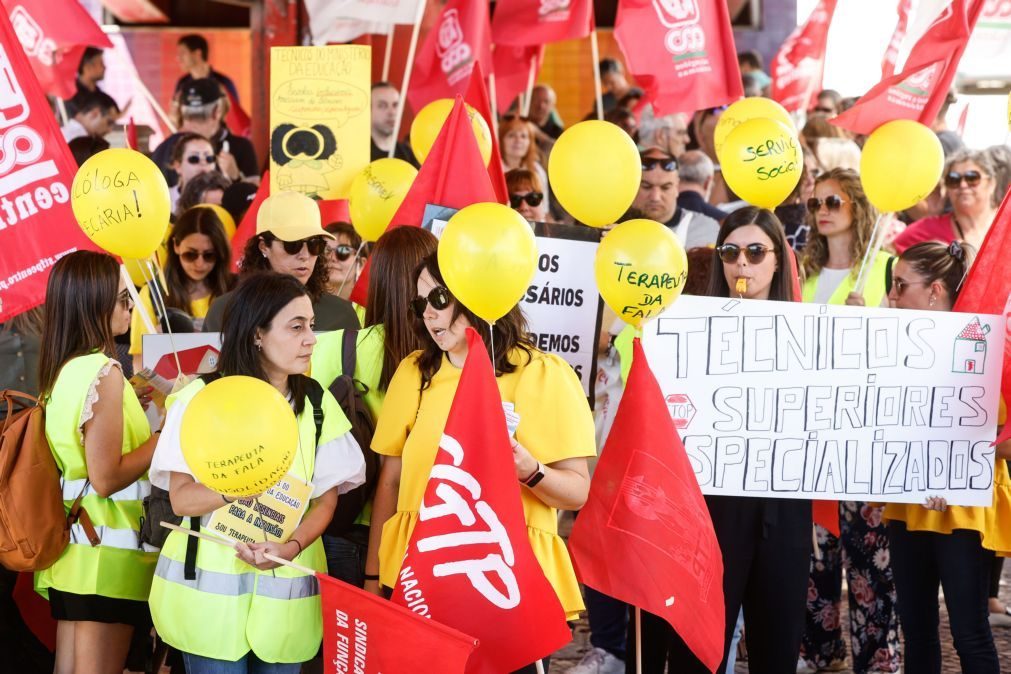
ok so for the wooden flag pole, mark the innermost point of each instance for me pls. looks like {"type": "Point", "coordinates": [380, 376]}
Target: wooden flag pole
{"type": "Point", "coordinates": [877, 240]}
{"type": "Point", "coordinates": [493, 103]}
{"type": "Point", "coordinates": [407, 74]}
{"type": "Point", "coordinates": [595, 52]}
{"type": "Point", "coordinates": [389, 52]}
{"type": "Point", "coordinates": [638, 640]}
{"type": "Point", "coordinates": [154, 104]}
{"type": "Point", "coordinates": [530, 86]}
{"type": "Point", "coordinates": [231, 544]}
{"type": "Point", "coordinates": [539, 666]}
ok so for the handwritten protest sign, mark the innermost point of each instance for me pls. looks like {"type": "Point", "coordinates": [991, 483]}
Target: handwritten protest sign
{"type": "Point", "coordinates": [319, 118]}
{"type": "Point", "coordinates": [273, 516]}
{"type": "Point", "coordinates": [790, 400]}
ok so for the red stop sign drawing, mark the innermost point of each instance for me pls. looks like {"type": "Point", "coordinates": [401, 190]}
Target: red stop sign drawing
{"type": "Point", "coordinates": [681, 409]}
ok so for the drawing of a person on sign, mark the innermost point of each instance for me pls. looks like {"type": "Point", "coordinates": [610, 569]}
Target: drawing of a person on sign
{"type": "Point", "coordinates": [305, 156]}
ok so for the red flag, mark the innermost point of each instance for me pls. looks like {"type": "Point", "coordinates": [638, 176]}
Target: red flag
{"type": "Point", "coordinates": [645, 535]}
{"type": "Point", "coordinates": [460, 38]}
{"type": "Point", "coordinates": [131, 134]}
{"type": "Point", "coordinates": [918, 92]}
{"type": "Point", "coordinates": [37, 224]}
{"type": "Point", "coordinates": [800, 63]}
{"type": "Point", "coordinates": [469, 563]}
{"type": "Point", "coordinates": [54, 34]}
{"type": "Point", "coordinates": [366, 634]}
{"type": "Point", "coordinates": [247, 228]}
{"type": "Point", "coordinates": [237, 120]}
{"type": "Point", "coordinates": [477, 98]}
{"type": "Point", "coordinates": [892, 52]}
{"type": "Point", "coordinates": [682, 53]}
{"type": "Point", "coordinates": [512, 71]}
{"type": "Point", "coordinates": [524, 23]}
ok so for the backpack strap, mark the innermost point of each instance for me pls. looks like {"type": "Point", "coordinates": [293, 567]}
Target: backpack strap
{"type": "Point", "coordinates": [190, 564]}
{"type": "Point", "coordinates": [349, 353]}
{"type": "Point", "coordinates": [78, 514]}
{"type": "Point", "coordinates": [314, 391]}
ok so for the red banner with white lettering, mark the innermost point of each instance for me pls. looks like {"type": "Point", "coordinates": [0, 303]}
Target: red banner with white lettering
{"type": "Point", "coordinates": [461, 36]}
{"type": "Point", "coordinates": [799, 66]}
{"type": "Point", "coordinates": [522, 23]}
{"type": "Point", "coordinates": [895, 44]}
{"type": "Point", "coordinates": [918, 92]}
{"type": "Point", "coordinates": [368, 635]}
{"type": "Point", "coordinates": [681, 52]}
{"type": "Point", "coordinates": [469, 564]}
{"type": "Point", "coordinates": [37, 225]}
{"type": "Point", "coordinates": [54, 34]}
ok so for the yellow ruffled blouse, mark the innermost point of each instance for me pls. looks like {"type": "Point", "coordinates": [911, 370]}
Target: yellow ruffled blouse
{"type": "Point", "coordinates": [555, 424]}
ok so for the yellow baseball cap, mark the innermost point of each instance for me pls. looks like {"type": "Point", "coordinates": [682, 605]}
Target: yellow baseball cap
{"type": "Point", "coordinates": [290, 216]}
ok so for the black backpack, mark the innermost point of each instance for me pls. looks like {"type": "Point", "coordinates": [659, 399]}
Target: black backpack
{"type": "Point", "coordinates": [350, 394]}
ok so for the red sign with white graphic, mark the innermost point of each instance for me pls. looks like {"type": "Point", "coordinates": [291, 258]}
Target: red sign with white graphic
{"type": "Point", "coordinates": [461, 36]}
{"type": "Point", "coordinates": [681, 409]}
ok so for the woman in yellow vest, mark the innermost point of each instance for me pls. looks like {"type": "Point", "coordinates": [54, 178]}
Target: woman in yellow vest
{"type": "Point", "coordinates": [102, 444]}
{"type": "Point", "coordinates": [236, 611]}
{"type": "Point", "coordinates": [940, 545]}
{"type": "Point", "coordinates": [387, 338]}
{"type": "Point", "coordinates": [553, 438]}
{"type": "Point", "coordinates": [196, 272]}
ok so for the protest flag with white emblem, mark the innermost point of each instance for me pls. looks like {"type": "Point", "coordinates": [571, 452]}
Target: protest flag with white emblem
{"type": "Point", "coordinates": [469, 563]}
{"type": "Point", "coordinates": [523, 23]}
{"type": "Point", "coordinates": [799, 64]}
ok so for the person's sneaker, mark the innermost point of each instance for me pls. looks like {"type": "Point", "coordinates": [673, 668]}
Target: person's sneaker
{"type": "Point", "coordinates": [599, 661]}
{"type": "Point", "coordinates": [1001, 619]}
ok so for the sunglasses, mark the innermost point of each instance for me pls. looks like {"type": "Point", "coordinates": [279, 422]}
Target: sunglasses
{"type": "Point", "coordinates": [341, 252]}
{"type": "Point", "coordinates": [954, 179]}
{"type": "Point", "coordinates": [533, 199]}
{"type": "Point", "coordinates": [125, 300]}
{"type": "Point", "coordinates": [315, 244]}
{"type": "Point", "coordinates": [824, 110]}
{"type": "Point", "coordinates": [832, 202]}
{"type": "Point", "coordinates": [900, 286]}
{"type": "Point", "coordinates": [193, 256]}
{"type": "Point", "coordinates": [438, 297]}
{"type": "Point", "coordinates": [663, 164]}
{"type": "Point", "coordinates": [198, 159]}
{"type": "Point", "coordinates": [730, 252]}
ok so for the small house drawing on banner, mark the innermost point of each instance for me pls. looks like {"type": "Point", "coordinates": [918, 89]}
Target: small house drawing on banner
{"type": "Point", "coordinates": [970, 348]}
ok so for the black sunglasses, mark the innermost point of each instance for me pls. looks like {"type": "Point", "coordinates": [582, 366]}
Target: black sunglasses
{"type": "Point", "coordinates": [341, 252]}
{"type": "Point", "coordinates": [315, 244]}
{"type": "Point", "coordinates": [824, 110]}
{"type": "Point", "coordinates": [663, 164]}
{"type": "Point", "coordinates": [730, 252]}
{"type": "Point", "coordinates": [193, 256]}
{"type": "Point", "coordinates": [832, 202]}
{"type": "Point", "coordinates": [954, 179]}
{"type": "Point", "coordinates": [438, 297]}
{"type": "Point", "coordinates": [196, 159]}
{"type": "Point", "coordinates": [533, 199]}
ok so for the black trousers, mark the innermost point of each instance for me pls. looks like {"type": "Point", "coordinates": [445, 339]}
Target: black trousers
{"type": "Point", "coordinates": [766, 545]}
{"type": "Point", "coordinates": [957, 562]}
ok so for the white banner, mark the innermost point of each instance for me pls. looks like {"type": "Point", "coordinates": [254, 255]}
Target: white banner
{"type": "Point", "coordinates": [332, 21]}
{"type": "Point", "coordinates": [790, 400]}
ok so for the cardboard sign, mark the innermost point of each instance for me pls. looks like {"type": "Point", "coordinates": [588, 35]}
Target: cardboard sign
{"type": "Point", "coordinates": [790, 400]}
{"type": "Point", "coordinates": [320, 127]}
{"type": "Point", "coordinates": [273, 516]}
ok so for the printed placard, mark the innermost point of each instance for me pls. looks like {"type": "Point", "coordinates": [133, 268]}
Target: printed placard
{"type": "Point", "coordinates": [790, 400]}
{"type": "Point", "coordinates": [272, 516]}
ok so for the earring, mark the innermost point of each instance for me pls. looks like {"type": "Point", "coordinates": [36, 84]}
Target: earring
{"type": "Point", "coordinates": [259, 346]}
{"type": "Point", "coordinates": [932, 300]}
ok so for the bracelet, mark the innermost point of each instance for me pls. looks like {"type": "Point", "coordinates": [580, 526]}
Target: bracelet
{"type": "Point", "coordinates": [295, 541]}
{"type": "Point", "coordinates": [371, 576]}
{"type": "Point", "coordinates": [225, 499]}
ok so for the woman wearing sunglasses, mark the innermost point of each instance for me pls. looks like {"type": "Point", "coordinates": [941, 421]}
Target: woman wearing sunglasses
{"type": "Point", "coordinates": [191, 155]}
{"type": "Point", "coordinates": [526, 195]}
{"type": "Point", "coordinates": [102, 444]}
{"type": "Point", "coordinates": [936, 544]}
{"type": "Point", "coordinates": [344, 265]}
{"type": "Point", "coordinates": [196, 271]}
{"type": "Point", "coordinates": [290, 239]}
{"type": "Point", "coordinates": [552, 436]}
{"type": "Point", "coordinates": [971, 189]}
{"type": "Point", "coordinates": [516, 137]}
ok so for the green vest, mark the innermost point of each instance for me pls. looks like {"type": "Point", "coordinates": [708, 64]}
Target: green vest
{"type": "Point", "coordinates": [326, 363]}
{"type": "Point", "coordinates": [117, 567]}
{"type": "Point", "coordinates": [231, 608]}
{"type": "Point", "coordinates": [874, 288]}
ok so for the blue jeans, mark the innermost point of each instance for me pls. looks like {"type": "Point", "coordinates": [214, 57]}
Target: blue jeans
{"type": "Point", "coordinates": [248, 664]}
{"type": "Point", "coordinates": [608, 619]}
{"type": "Point", "coordinates": [732, 652]}
{"type": "Point", "coordinates": [345, 559]}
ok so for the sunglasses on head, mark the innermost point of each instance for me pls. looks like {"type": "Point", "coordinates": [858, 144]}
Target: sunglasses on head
{"type": "Point", "coordinates": [730, 252]}
{"type": "Point", "coordinates": [341, 252]}
{"type": "Point", "coordinates": [533, 199]}
{"type": "Point", "coordinates": [832, 202]}
{"type": "Point", "coordinates": [663, 164]}
{"type": "Point", "coordinates": [954, 179]}
{"type": "Point", "coordinates": [315, 244]}
{"type": "Point", "coordinates": [198, 158]}
{"type": "Point", "coordinates": [193, 255]}
{"type": "Point", "coordinates": [438, 297]}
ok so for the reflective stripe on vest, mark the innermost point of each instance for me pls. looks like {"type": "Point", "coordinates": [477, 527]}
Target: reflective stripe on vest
{"type": "Point", "coordinates": [125, 539]}
{"type": "Point", "coordinates": [137, 491]}
{"type": "Point", "coordinates": [234, 585]}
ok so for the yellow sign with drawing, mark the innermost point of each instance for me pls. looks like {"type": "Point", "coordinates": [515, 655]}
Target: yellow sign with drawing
{"type": "Point", "coordinates": [320, 127]}
{"type": "Point", "coordinates": [272, 516]}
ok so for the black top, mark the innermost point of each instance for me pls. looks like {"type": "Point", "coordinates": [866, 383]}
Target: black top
{"type": "Point", "coordinates": [693, 201]}
{"type": "Point", "coordinates": [241, 148]}
{"type": "Point", "coordinates": [224, 80]}
{"type": "Point", "coordinates": [552, 128]}
{"type": "Point", "coordinates": [403, 151]}
{"type": "Point", "coordinates": [331, 313]}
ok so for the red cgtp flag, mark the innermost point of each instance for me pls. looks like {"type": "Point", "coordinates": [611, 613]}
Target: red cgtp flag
{"type": "Point", "coordinates": [892, 52]}
{"type": "Point", "coordinates": [799, 64]}
{"type": "Point", "coordinates": [452, 175]}
{"type": "Point", "coordinates": [645, 535]}
{"type": "Point", "coordinates": [477, 98]}
{"type": "Point", "coordinates": [522, 23]}
{"type": "Point", "coordinates": [54, 34]}
{"type": "Point", "coordinates": [681, 51]}
{"type": "Point", "coordinates": [461, 37]}
{"type": "Point", "coordinates": [469, 563]}
{"type": "Point", "coordinates": [37, 224]}
{"type": "Point", "coordinates": [512, 67]}
{"type": "Point", "coordinates": [365, 634]}
{"type": "Point", "coordinates": [918, 92]}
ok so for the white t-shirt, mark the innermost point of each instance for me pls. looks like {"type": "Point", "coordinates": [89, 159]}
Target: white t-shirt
{"type": "Point", "coordinates": [828, 281]}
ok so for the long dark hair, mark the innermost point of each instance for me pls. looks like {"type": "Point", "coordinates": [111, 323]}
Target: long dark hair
{"type": "Point", "coordinates": [766, 220]}
{"type": "Point", "coordinates": [939, 262]}
{"type": "Point", "coordinates": [80, 298]}
{"type": "Point", "coordinates": [395, 258]}
{"type": "Point", "coordinates": [256, 302]}
{"type": "Point", "coordinates": [255, 261]}
{"type": "Point", "coordinates": [198, 220]}
{"type": "Point", "coordinates": [510, 331]}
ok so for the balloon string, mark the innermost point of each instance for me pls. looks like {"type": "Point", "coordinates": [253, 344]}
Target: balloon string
{"type": "Point", "coordinates": [874, 245]}
{"type": "Point", "coordinates": [354, 264]}
{"type": "Point", "coordinates": [491, 343]}
{"type": "Point", "coordinates": [135, 296]}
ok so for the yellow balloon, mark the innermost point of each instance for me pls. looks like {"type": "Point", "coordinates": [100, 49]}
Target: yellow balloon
{"type": "Point", "coordinates": [488, 256]}
{"type": "Point", "coordinates": [641, 268]}
{"type": "Point", "coordinates": [239, 436]}
{"type": "Point", "coordinates": [376, 194]}
{"type": "Point", "coordinates": [133, 267]}
{"type": "Point", "coordinates": [121, 201]}
{"type": "Point", "coordinates": [428, 123]}
{"type": "Point", "coordinates": [227, 221]}
{"type": "Point", "coordinates": [594, 170]}
{"type": "Point", "coordinates": [754, 107]}
{"type": "Point", "coordinates": [900, 165]}
{"type": "Point", "coordinates": [761, 162]}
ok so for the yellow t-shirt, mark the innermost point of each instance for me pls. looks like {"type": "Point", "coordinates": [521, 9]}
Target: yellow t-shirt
{"type": "Point", "coordinates": [555, 424]}
{"type": "Point", "coordinates": [198, 309]}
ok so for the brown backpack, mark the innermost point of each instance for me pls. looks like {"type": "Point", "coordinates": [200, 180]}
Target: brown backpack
{"type": "Point", "coordinates": [34, 527]}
